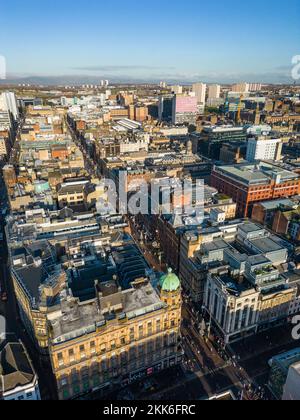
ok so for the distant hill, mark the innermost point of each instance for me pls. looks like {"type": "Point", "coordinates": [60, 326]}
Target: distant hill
{"type": "Point", "coordinates": [268, 78]}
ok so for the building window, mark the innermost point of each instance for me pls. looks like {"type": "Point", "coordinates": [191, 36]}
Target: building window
{"type": "Point", "coordinates": [93, 347]}
{"type": "Point", "coordinates": [71, 356]}
{"type": "Point", "coordinates": [141, 331]}
{"type": "Point", "coordinates": [114, 362]}
{"type": "Point", "coordinates": [124, 358]}
{"type": "Point", "coordinates": [141, 352]}
{"type": "Point", "coordinates": [103, 365]}
{"type": "Point", "coordinates": [158, 327]}
{"type": "Point", "coordinates": [132, 336]}
{"type": "Point", "coordinates": [60, 359]}
{"type": "Point", "coordinates": [82, 352]}
{"type": "Point", "coordinates": [132, 353]}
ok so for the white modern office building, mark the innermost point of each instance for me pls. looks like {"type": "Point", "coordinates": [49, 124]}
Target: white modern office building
{"type": "Point", "coordinates": [263, 148]}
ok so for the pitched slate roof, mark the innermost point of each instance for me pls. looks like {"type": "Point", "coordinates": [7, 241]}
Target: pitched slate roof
{"type": "Point", "coordinates": [15, 366]}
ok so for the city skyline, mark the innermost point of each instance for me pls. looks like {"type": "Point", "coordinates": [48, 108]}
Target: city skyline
{"type": "Point", "coordinates": [129, 43]}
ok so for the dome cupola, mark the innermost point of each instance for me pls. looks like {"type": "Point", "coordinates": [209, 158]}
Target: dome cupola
{"type": "Point", "coordinates": [170, 282]}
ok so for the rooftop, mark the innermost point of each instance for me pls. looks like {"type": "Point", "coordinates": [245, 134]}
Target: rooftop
{"type": "Point", "coordinates": [250, 227]}
{"type": "Point", "coordinates": [235, 287]}
{"type": "Point", "coordinates": [215, 245]}
{"type": "Point", "coordinates": [112, 306]}
{"type": "Point", "coordinates": [170, 282]}
{"type": "Point", "coordinates": [258, 260]}
{"type": "Point", "coordinates": [285, 360]}
{"type": "Point", "coordinates": [130, 263]}
{"type": "Point", "coordinates": [261, 173]}
{"type": "Point", "coordinates": [266, 245]}
{"type": "Point", "coordinates": [15, 367]}
{"type": "Point", "coordinates": [274, 204]}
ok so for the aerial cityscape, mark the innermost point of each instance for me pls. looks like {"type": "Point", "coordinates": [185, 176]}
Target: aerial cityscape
{"type": "Point", "coordinates": [150, 203]}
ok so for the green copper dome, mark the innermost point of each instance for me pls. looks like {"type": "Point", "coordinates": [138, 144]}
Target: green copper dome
{"type": "Point", "coordinates": [170, 282]}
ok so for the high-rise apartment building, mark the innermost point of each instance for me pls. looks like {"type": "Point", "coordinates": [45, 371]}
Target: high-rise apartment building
{"type": "Point", "coordinates": [255, 87]}
{"type": "Point", "coordinates": [214, 91]}
{"type": "Point", "coordinates": [241, 88]}
{"type": "Point", "coordinates": [200, 92]}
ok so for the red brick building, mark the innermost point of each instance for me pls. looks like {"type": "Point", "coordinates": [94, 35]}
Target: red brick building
{"type": "Point", "coordinates": [60, 153]}
{"type": "Point", "coordinates": [249, 184]}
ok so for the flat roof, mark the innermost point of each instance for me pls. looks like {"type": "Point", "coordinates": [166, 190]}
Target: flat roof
{"type": "Point", "coordinates": [256, 174]}
{"type": "Point", "coordinates": [258, 260]}
{"type": "Point", "coordinates": [266, 245]}
{"type": "Point", "coordinates": [250, 227]}
{"type": "Point", "coordinates": [236, 254]}
{"type": "Point", "coordinates": [215, 245]}
{"type": "Point", "coordinates": [234, 287]}
{"type": "Point", "coordinates": [285, 360]}
{"type": "Point", "coordinates": [273, 204]}
{"type": "Point", "coordinates": [84, 318]}
{"type": "Point", "coordinates": [71, 189]}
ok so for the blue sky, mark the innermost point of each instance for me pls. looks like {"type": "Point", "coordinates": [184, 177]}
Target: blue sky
{"type": "Point", "coordinates": [184, 40]}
